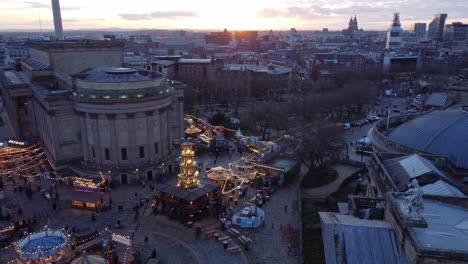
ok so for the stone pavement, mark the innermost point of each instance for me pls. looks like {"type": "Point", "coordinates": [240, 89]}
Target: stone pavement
{"type": "Point", "coordinates": [322, 192]}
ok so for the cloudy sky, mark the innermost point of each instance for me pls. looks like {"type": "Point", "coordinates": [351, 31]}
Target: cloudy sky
{"type": "Point", "coordinates": [231, 14]}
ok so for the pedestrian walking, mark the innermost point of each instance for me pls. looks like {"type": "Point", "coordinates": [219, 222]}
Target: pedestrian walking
{"type": "Point", "coordinates": [286, 209]}
{"type": "Point", "coordinates": [146, 239]}
{"type": "Point", "coordinates": [93, 217]}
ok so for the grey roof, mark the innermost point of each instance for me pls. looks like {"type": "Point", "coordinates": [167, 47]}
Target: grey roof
{"type": "Point", "coordinates": [365, 241]}
{"type": "Point", "coordinates": [275, 69]}
{"type": "Point", "coordinates": [164, 62]}
{"type": "Point", "coordinates": [403, 169]}
{"type": "Point", "coordinates": [436, 99]}
{"type": "Point", "coordinates": [37, 65]}
{"type": "Point", "coordinates": [447, 228]}
{"type": "Point", "coordinates": [439, 133]}
{"type": "Point", "coordinates": [15, 77]}
{"type": "Point", "coordinates": [111, 75]}
{"type": "Point", "coordinates": [192, 61]}
{"type": "Point", "coordinates": [371, 245]}
{"type": "Point", "coordinates": [441, 188]}
{"type": "Point", "coordinates": [189, 194]}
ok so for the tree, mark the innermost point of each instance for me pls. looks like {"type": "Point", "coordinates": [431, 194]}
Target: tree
{"type": "Point", "coordinates": [265, 116]}
{"type": "Point", "coordinates": [317, 145]}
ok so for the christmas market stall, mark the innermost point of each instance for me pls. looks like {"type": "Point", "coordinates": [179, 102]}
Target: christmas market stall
{"type": "Point", "coordinates": [192, 131]}
{"type": "Point", "coordinates": [42, 247]}
{"type": "Point", "coordinates": [219, 175]}
{"type": "Point", "coordinates": [84, 200]}
{"type": "Point", "coordinates": [188, 198]}
{"type": "Point", "coordinates": [94, 183]}
{"type": "Point", "coordinates": [279, 170]}
{"type": "Point", "coordinates": [250, 217]}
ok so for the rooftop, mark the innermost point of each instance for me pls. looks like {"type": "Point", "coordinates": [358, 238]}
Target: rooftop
{"type": "Point", "coordinates": [436, 99]}
{"type": "Point", "coordinates": [48, 45]}
{"type": "Point", "coordinates": [447, 226]}
{"type": "Point", "coordinates": [163, 62]}
{"type": "Point", "coordinates": [365, 241]}
{"type": "Point", "coordinates": [404, 169]}
{"type": "Point", "coordinates": [438, 133]}
{"type": "Point", "coordinates": [114, 75]}
{"type": "Point", "coordinates": [194, 61]}
{"type": "Point", "coordinates": [15, 77]}
{"type": "Point", "coordinates": [270, 69]}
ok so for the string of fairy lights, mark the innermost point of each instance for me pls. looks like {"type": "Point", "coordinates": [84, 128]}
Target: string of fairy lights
{"type": "Point", "coordinates": [34, 156]}
{"type": "Point", "coordinates": [236, 170]}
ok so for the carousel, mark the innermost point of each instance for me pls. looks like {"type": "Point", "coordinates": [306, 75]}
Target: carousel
{"type": "Point", "coordinates": [43, 247]}
{"type": "Point", "coordinates": [89, 259]}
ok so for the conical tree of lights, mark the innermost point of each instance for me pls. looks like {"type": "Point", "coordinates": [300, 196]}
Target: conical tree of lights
{"type": "Point", "coordinates": [188, 176]}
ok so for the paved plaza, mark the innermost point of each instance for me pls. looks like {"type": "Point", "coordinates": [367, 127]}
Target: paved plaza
{"type": "Point", "coordinates": [173, 241]}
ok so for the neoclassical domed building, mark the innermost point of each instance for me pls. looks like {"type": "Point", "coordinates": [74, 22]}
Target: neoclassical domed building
{"type": "Point", "coordinates": [92, 114]}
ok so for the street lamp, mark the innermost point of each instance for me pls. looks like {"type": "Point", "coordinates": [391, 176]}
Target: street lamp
{"type": "Point", "coordinates": [110, 189]}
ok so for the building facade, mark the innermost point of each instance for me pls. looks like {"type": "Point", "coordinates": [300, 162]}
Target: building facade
{"type": "Point", "coordinates": [436, 27]}
{"type": "Point", "coordinates": [419, 30]}
{"type": "Point", "coordinates": [90, 117]}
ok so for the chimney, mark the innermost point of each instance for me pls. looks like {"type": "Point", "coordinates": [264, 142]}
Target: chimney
{"type": "Point", "coordinates": [57, 19]}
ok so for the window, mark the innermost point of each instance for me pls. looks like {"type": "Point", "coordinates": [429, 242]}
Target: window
{"type": "Point", "coordinates": [149, 175]}
{"type": "Point", "coordinates": [107, 153]}
{"type": "Point", "coordinates": [156, 148]}
{"type": "Point", "coordinates": [142, 152]}
{"type": "Point", "coordinates": [123, 153]}
{"type": "Point", "coordinates": [93, 152]}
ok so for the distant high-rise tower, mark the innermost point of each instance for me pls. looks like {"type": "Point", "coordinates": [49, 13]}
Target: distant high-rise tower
{"type": "Point", "coordinates": [419, 30]}
{"type": "Point", "coordinates": [394, 33]}
{"type": "Point", "coordinates": [57, 19]}
{"type": "Point", "coordinates": [436, 27]}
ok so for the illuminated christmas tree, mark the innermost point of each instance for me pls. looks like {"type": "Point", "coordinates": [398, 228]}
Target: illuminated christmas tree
{"type": "Point", "coordinates": [188, 176]}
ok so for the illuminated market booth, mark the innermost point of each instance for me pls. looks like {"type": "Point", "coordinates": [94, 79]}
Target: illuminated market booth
{"type": "Point", "coordinates": [84, 200]}
{"type": "Point", "coordinates": [42, 247]}
{"type": "Point", "coordinates": [189, 198]}
{"type": "Point", "coordinates": [87, 192]}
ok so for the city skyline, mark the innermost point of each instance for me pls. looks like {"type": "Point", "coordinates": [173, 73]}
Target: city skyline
{"type": "Point", "coordinates": [209, 14]}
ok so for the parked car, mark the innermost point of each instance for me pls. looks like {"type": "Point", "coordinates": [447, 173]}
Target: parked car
{"type": "Point", "coordinates": [396, 110]}
{"type": "Point", "coordinates": [411, 111]}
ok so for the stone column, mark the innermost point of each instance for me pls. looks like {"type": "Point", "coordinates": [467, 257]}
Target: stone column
{"type": "Point", "coordinates": [84, 136]}
{"type": "Point", "coordinates": [131, 148]}
{"type": "Point", "coordinates": [97, 138]}
{"type": "Point", "coordinates": [149, 136]}
{"type": "Point", "coordinates": [55, 134]}
{"type": "Point", "coordinates": [113, 148]}
{"type": "Point", "coordinates": [164, 133]}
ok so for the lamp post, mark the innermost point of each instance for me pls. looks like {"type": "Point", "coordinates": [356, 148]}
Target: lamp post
{"type": "Point", "coordinates": [110, 189]}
